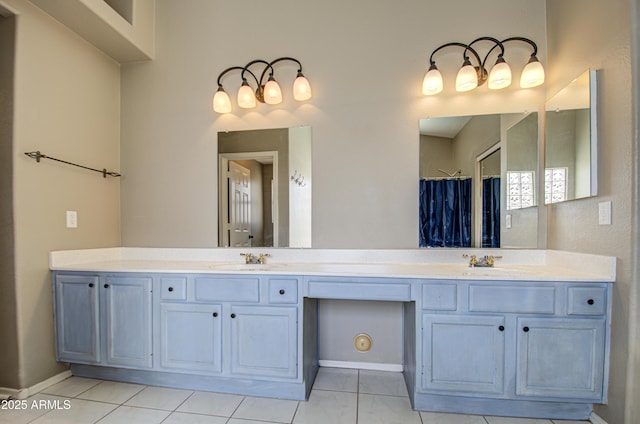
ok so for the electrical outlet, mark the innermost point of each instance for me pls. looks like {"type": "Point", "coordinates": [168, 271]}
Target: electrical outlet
{"type": "Point", "coordinates": [604, 213]}
{"type": "Point", "coordinates": [72, 219]}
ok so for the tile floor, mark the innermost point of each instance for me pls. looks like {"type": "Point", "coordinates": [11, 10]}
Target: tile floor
{"type": "Point", "coordinates": [339, 396]}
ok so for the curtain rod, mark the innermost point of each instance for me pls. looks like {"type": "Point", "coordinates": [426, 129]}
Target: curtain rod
{"type": "Point", "coordinates": [37, 156]}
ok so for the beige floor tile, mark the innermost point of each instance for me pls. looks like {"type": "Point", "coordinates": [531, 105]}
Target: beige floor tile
{"type": "Point", "coordinates": [382, 383]}
{"type": "Point", "coordinates": [442, 418]}
{"type": "Point", "coordinates": [380, 409]}
{"type": "Point", "coordinates": [338, 379]}
{"type": "Point", "coordinates": [159, 398]}
{"type": "Point", "coordinates": [186, 418]}
{"type": "Point", "coordinates": [80, 412]}
{"type": "Point", "coordinates": [209, 403]}
{"type": "Point", "coordinates": [325, 407]}
{"type": "Point", "coordinates": [130, 414]}
{"type": "Point", "coordinates": [111, 392]}
{"type": "Point", "coordinates": [72, 386]}
{"type": "Point", "coordinates": [265, 409]}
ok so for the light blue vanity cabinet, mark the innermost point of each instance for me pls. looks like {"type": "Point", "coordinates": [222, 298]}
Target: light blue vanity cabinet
{"type": "Point", "coordinates": [190, 333]}
{"type": "Point", "coordinates": [264, 341]}
{"type": "Point", "coordinates": [537, 349]}
{"type": "Point", "coordinates": [126, 302]}
{"type": "Point", "coordinates": [463, 354]}
{"type": "Point", "coordinates": [77, 318]}
{"type": "Point", "coordinates": [104, 320]}
{"type": "Point", "coordinates": [560, 358]}
{"type": "Point", "coordinates": [191, 338]}
{"type": "Point", "coordinates": [203, 318]}
{"type": "Point", "coordinates": [490, 347]}
{"type": "Point", "coordinates": [236, 333]}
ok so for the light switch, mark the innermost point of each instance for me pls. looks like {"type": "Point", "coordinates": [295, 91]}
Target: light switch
{"type": "Point", "coordinates": [507, 221]}
{"type": "Point", "coordinates": [604, 213]}
{"type": "Point", "coordinates": [72, 219]}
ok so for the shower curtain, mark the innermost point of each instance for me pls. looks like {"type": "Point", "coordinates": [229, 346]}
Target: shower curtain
{"type": "Point", "coordinates": [491, 212]}
{"type": "Point", "coordinates": [445, 213]}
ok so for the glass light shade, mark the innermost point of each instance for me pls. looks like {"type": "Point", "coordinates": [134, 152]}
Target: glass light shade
{"type": "Point", "coordinates": [500, 75]}
{"type": "Point", "coordinates": [272, 92]}
{"type": "Point", "coordinates": [532, 74]}
{"type": "Point", "coordinates": [301, 88]}
{"type": "Point", "coordinates": [432, 82]}
{"type": "Point", "coordinates": [221, 101]}
{"type": "Point", "coordinates": [246, 97]}
{"type": "Point", "coordinates": [467, 78]}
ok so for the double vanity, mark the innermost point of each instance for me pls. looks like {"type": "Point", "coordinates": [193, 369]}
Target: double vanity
{"type": "Point", "coordinates": [528, 337]}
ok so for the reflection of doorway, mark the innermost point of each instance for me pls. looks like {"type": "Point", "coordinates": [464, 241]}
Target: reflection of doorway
{"type": "Point", "coordinates": [247, 208]}
{"type": "Point", "coordinates": [487, 198]}
{"type": "Point", "coordinates": [239, 205]}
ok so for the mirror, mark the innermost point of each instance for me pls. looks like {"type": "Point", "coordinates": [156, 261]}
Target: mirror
{"type": "Point", "coordinates": [521, 216]}
{"type": "Point", "coordinates": [264, 194]}
{"type": "Point", "coordinates": [463, 164]}
{"type": "Point", "coordinates": [571, 141]}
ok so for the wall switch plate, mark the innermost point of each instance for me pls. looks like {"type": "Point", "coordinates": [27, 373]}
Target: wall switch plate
{"type": "Point", "coordinates": [72, 219]}
{"type": "Point", "coordinates": [604, 213]}
{"type": "Point", "coordinates": [507, 221]}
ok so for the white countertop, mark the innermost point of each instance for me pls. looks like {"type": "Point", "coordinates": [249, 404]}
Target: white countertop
{"type": "Point", "coordinates": [512, 265]}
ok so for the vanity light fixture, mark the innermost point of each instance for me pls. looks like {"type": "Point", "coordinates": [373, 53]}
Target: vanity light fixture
{"type": "Point", "coordinates": [474, 74]}
{"type": "Point", "coordinates": [266, 92]}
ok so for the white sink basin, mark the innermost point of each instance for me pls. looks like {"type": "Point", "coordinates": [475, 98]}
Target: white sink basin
{"type": "Point", "coordinates": [489, 272]}
{"type": "Point", "coordinates": [228, 266]}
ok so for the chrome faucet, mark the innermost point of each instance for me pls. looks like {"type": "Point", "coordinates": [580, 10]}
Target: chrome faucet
{"type": "Point", "coordinates": [251, 259]}
{"type": "Point", "coordinates": [248, 258]}
{"type": "Point", "coordinates": [486, 262]}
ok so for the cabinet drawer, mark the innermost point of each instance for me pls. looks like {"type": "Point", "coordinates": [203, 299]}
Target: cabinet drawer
{"type": "Point", "coordinates": [227, 289]}
{"type": "Point", "coordinates": [283, 291]}
{"type": "Point", "coordinates": [360, 290]}
{"type": "Point", "coordinates": [524, 300]}
{"type": "Point", "coordinates": [439, 297]}
{"type": "Point", "coordinates": [587, 301]}
{"type": "Point", "coordinates": [173, 288]}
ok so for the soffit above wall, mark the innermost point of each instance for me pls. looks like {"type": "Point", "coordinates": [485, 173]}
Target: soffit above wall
{"type": "Point", "coordinates": [98, 23]}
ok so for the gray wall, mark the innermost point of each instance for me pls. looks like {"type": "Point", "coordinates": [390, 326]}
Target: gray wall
{"type": "Point", "coordinates": [71, 111]}
{"type": "Point", "coordinates": [365, 140]}
{"type": "Point", "coordinates": [8, 303]}
{"type": "Point", "coordinates": [364, 117]}
{"type": "Point", "coordinates": [584, 34]}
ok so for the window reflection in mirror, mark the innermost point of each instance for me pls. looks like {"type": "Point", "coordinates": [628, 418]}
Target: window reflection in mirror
{"type": "Point", "coordinates": [521, 182]}
{"type": "Point", "coordinates": [264, 194]}
{"type": "Point", "coordinates": [451, 149]}
{"type": "Point", "coordinates": [571, 141]}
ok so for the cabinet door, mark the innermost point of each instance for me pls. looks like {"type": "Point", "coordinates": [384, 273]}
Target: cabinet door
{"type": "Point", "coordinates": [191, 337]}
{"type": "Point", "coordinates": [127, 315]}
{"type": "Point", "coordinates": [77, 319]}
{"type": "Point", "coordinates": [464, 354]}
{"type": "Point", "coordinates": [264, 341]}
{"type": "Point", "coordinates": [560, 358]}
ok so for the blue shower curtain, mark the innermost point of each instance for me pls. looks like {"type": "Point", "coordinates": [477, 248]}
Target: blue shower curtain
{"type": "Point", "coordinates": [491, 212]}
{"type": "Point", "coordinates": [445, 213]}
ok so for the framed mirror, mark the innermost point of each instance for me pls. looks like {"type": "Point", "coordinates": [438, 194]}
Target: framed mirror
{"type": "Point", "coordinates": [264, 193]}
{"type": "Point", "coordinates": [464, 161]}
{"type": "Point", "coordinates": [571, 157]}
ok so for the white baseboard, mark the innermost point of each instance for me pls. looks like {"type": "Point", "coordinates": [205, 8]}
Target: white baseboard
{"type": "Point", "coordinates": [595, 419]}
{"type": "Point", "coordinates": [6, 393]}
{"type": "Point", "coordinates": [374, 366]}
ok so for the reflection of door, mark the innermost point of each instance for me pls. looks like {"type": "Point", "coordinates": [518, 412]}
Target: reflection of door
{"type": "Point", "coordinates": [239, 205]}
{"type": "Point", "coordinates": [487, 198]}
{"type": "Point", "coordinates": [263, 205]}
